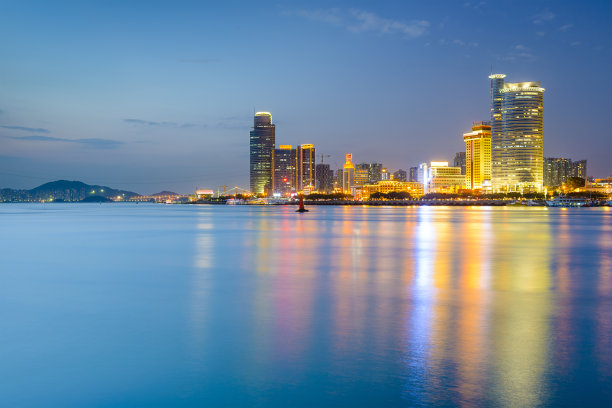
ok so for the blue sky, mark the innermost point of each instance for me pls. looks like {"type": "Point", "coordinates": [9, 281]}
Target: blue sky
{"type": "Point", "coordinates": [151, 95]}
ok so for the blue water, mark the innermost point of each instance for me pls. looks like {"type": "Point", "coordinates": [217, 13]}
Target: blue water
{"type": "Point", "coordinates": [169, 305]}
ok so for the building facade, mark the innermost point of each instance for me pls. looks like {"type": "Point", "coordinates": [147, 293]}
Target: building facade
{"type": "Point", "coordinates": [306, 177]}
{"type": "Point", "coordinates": [516, 135]}
{"type": "Point", "coordinates": [459, 161]}
{"type": "Point", "coordinates": [414, 188]}
{"type": "Point", "coordinates": [284, 170]}
{"type": "Point", "coordinates": [325, 178]}
{"type": "Point", "coordinates": [348, 175]}
{"type": "Point", "coordinates": [558, 169]}
{"type": "Point", "coordinates": [261, 154]}
{"type": "Point", "coordinates": [400, 175]}
{"type": "Point", "coordinates": [413, 175]}
{"type": "Point", "coordinates": [478, 156]}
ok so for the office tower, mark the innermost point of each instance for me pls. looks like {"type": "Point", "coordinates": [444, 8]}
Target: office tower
{"type": "Point", "coordinates": [306, 168]}
{"type": "Point", "coordinates": [478, 156]}
{"type": "Point", "coordinates": [325, 178]}
{"type": "Point", "coordinates": [375, 173]}
{"type": "Point", "coordinates": [348, 174]}
{"type": "Point", "coordinates": [284, 170]}
{"type": "Point", "coordinates": [414, 174]}
{"type": "Point", "coordinates": [516, 136]}
{"type": "Point", "coordinates": [497, 83]}
{"type": "Point", "coordinates": [459, 161]}
{"type": "Point", "coordinates": [338, 180]}
{"type": "Point", "coordinates": [423, 176]}
{"type": "Point", "coordinates": [400, 175]}
{"type": "Point", "coordinates": [262, 142]}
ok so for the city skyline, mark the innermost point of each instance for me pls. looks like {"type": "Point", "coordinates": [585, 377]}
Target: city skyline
{"type": "Point", "coordinates": [159, 97]}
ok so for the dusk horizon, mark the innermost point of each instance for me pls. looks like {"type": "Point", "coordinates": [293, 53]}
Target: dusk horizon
{"type": "Point", "coordinates": [149, 97]}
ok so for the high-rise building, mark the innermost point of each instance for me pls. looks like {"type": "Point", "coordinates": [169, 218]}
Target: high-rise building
{"type": "Point", "coordinates": [400, 175]}
{"type": "Point", "coordinates": [478, 156]}
{"type": "Point", "coordinates": [459, 161]}
{"type": "Point", "coordinates": [497, 83]}
{"type": "Point", "coordinates": [413, 174]}
{"type": "Point", "coordinates": [306, 168]}
{"type": "Point", "coordinates": [579, 169]}
{"type": "Point", "coordinates": [325, 178]}
{"type": "Point", "coordinates": [384, 174]}
{"type": "Point", "coordinates": [516, 136]}
{"type": "Point", "coordinates": [362, 176]}
{"type": "Point", "coordinates": [262, 142]}
{"type": "Point", "coordinates": [348, 174]}
{"type": "Point", "coordinates": [439, 177]}
{"type": "Point", "coordinates": [558, 169]}
{"type": "Point", "coordinates": [284, 170]}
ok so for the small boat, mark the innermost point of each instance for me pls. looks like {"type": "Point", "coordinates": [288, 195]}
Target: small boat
{"type": "Point", "coordinates": [565, 201]}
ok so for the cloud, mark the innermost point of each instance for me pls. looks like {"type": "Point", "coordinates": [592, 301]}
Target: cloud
{"type": "Point", "coordinates": [540, 33]}
{"type": "Point", "coordinates": [474, 4]}
{"type": "Point", "coordinates": [367, 21]}
{"type": "Point", "coordinates": [566, 27]}
{"type": "Point", "coordinates": [575, 43]}
{"type": "Point", "coordinates": [360, 21]}
{"type": "Point", "coordinates": [95, 143]}
{"type": "Point", "coordinates": [27, 129]}
{"type": "Point", "coordinates": [158, 124]}
{"type": "Point", "coordinates": [543, 17]}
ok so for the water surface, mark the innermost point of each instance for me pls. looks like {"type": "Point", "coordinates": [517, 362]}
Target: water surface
{"type": "Point", "coordinates": [155, 305]}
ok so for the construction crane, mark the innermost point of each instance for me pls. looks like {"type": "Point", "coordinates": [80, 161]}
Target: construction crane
{"type": "Point", "coordinates": [218, 192]}
{"type": "Point", "coordinates": [323, 156]}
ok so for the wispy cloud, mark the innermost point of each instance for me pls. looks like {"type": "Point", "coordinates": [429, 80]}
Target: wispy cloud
{"type": "Point", "coordinates": [158, 124]}
{"type": "Point", "coordinates": [474, 4]}
{"type": "Point", "coordinates": [518, 52]}
{"type": "Point", "coordinates": [95, 143]}
{"type": "Point", "coordinates": [361, 21]}
{"type": "Point", "coordinates": [575, 43]}
{"type": "Point", "coordinates": [27, 129]}
{"type": "Point", "coordinates": [566, 27]}
{"type": "Point", "coordinates": [543, 17]}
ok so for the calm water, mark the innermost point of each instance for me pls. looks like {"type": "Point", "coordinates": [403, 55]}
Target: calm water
{"type": "Point", "coordinates": [153, 305]}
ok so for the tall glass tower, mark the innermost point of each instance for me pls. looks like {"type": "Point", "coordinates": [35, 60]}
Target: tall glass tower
{"type": "Point", "coordinates": [262, 142]}
{"type": "Point", "coordinates": [497, 83]}
{"type": "Point", "coordinates": [522, 137]}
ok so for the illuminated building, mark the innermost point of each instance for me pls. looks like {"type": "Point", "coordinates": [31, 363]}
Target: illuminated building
{"type": "Point", "coordinates": [306, 171]}
{"type": "Point", "coordinates": [558, 169]}
{"type": "Point", "coordinates": [386, 186]}
{"type": "Point", "coordinates": [262, 142]}
{"type": "Point", "coordinates": [325, 178]}
{"type": "Point", "coordinates": [400, 175]}
{"type": "Point", "coordinates": [478, 156]}
{"type": "Point", "coordinates": [459, 161]}
{"type": "Point", "coordinates": [438, 177]}
{"type": "Point", "coordinates": [284, 170]}
{"type": "Point", "coordinates": [362, 175]}
{"type": "Point", "coordinates": [348, 174]}
{"type": "Point", "coordinates": [516, 135]}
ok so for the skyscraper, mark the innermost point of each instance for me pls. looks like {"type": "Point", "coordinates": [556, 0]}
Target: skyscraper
{"type": "Point", "coordinates": [497, 83]}
{"type": "Point", "coordinates": [478, 156]}
{"type": "Point", "coordinates": [262, 142]}
{"type": "Point", "coordinates": [284, 170]}
{"type": "Point", "coordinates": [306, 167]}
{"type": "Point", "coordinates": [414, 174]}
{"type": "Point", "coordinates": [558, 169]}
{"type": "Point", "coordinates": [400, 175]}
{"type": "Point", "coordinates": [516, 135]}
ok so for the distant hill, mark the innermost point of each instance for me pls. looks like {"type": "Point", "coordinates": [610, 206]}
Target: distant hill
{"type": "Point", "coordinates": [63, 190]}
{"type": "Point", "coordinates": [165, 193]}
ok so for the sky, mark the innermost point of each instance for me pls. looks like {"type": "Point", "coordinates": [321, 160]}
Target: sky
{"type": "Point", "coordinates": [160, 95]}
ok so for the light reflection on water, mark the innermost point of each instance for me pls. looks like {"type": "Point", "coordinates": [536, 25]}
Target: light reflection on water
{"type": "Point", "coordinates": [342, 306]}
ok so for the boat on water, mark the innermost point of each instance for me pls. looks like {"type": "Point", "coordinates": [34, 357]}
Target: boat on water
{"type": "Point", "coordinates": [565, 201]}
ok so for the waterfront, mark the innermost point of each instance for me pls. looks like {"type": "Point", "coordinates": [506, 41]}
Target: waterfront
{"type": "Point", "coordinates": [153, 305]}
